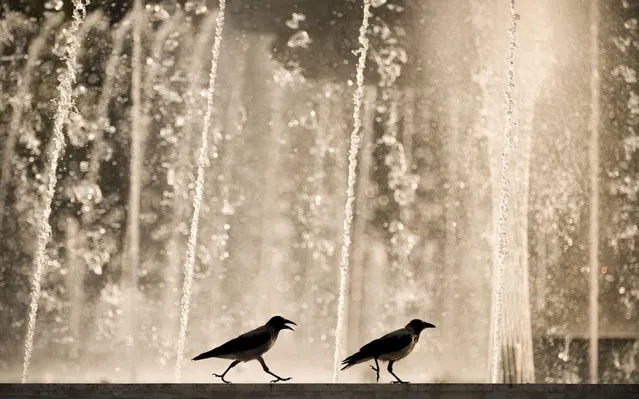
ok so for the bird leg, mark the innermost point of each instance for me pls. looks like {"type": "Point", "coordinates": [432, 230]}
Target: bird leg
{"type": "Point", "coordinates": [265, 368]}
{"type": "Point", "coordinates": [221, 376]}
{"type": "Point", "coordinates": [376, 369]}
{"type": "Point", "coordinates": [390, 370]}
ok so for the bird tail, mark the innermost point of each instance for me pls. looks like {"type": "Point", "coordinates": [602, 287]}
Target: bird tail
{"type": "Point", "coordinates": [352, 360]}
{"type": "Point", "coordinates": [206, 355]}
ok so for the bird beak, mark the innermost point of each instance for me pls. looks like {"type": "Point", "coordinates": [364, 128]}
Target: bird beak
{"type": "Point", "coordinates": [288, 327]}
{"type": "Point", "coordinates": [428, 325]}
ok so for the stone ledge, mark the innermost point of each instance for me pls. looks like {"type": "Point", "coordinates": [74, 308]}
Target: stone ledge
{"type": "Point", "coordinates": [312, 391]}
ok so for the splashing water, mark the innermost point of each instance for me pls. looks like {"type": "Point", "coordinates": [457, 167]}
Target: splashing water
{"type": "Point", "coordinates": [504, 205]}
{"type": "Point", "coordinates": [197, 200]}
{"type": "Point", "coordinates": [65, 103]}
{"type": "Point", "coordinates": [350, 191]}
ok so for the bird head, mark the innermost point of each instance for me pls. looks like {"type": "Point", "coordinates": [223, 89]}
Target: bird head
{"type": "Point", "coordinates": [419, 325]}
{"type": "Point", "coordinates": [280, 323]}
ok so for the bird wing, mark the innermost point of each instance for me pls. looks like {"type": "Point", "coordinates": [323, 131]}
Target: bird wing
{"type": "Point", "coordinates": [391, 342]}
{"type": "Point", "coordinates": [395, 341]}
{"type": "Point", "coordinates": [251, 340]}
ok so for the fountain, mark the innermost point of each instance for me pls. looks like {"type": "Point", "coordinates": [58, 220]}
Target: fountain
{"type": "Point", "coordinates": [64, 103]}
{"type": "Point", "coordinates": [350, 191]}
{"type": "Point", "coordinates": [138, 126]}
{"type": "Point", "coordinates": [347, 164]}
{"type": "Point", "coordinates": [197, 199]}
{"type": "Point", "coordinates": [504, 205]}
{"type": "Point", "coordinates": [595, 107]}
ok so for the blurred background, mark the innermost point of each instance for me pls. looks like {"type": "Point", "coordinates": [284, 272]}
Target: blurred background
{"type": "Point", "coordinates": [426, 197]}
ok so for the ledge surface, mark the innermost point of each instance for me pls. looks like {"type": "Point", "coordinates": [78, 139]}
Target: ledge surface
{"type": "Point", "coordinates": [317, 391]}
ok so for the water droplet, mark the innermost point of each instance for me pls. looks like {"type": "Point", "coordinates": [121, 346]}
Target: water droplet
{"type": "Point", "coordinates": [299, 39]}
{"type": "Point", "coordinates": [54, 5]}
{"type": "Point", "coordinates": [294, 22]}
{"type": "Point", "coordinates": [228, 209]}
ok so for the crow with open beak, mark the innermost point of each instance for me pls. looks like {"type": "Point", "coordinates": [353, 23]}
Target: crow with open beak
{"type": "Point", "coordinates": [250, 346]}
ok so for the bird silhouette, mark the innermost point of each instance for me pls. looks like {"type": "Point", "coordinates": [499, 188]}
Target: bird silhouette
{"type": "Point", "coordinates": [250, 346]}
{"type": "Point", "coordinates": [391, 347]}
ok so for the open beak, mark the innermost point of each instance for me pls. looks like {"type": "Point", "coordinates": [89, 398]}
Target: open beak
{"type": "Point", "coordinates": [289, 327]}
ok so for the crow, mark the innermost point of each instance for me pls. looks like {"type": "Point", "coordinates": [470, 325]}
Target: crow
{"type": "Point", "coordinates": [391, 347]}
{"type": "Point", "coordinates": [250, 346]}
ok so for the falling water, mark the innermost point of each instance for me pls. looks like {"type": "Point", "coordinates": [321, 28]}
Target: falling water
{"type": "Point", "coordinates": [594, 193]}
{"type": "Point", "coordinates": [197, 199]}
{"type": "Point", "coordinates": [21, 98]}
{"type": "Point", "coordinates": [76, 268]}
{"type": "Point", "coordinates": [65, 103]}
{"type": "Point", "coordinates": [105, 99]}
{"type": "Point", "coordinates": [350, 191]}
{"type": "Point", "coordinates": [504, 204]}
{"type": "Point", "coordinates": [181, 207]}
{"type": "Point", "coordinates": [133, 218]}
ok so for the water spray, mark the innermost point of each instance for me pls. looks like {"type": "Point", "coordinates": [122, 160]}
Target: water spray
{"type": "Point", "coordinates": [504, 205]}
{"type": "Point", "coordinates": [197, 199]}
{"type": "Point", "coordinates": [64, 104]}
{"type": "Point", "coordinates": [350, 190]}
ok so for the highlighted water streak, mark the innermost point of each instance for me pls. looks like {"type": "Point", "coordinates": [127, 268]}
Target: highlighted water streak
{"type": "Point", "coordinates": [197, 200]}
{"type": "Point", "coordinates": [350, 191]}
{"type": "Point", "coordinates": [595, 120]}
{"type": "Point", "coordinates": [133, 217]}
{"type": "Point", "coordinates": [19, 102]}
{"type": "Point", "coordinates": [65, 103]}
{"type": "Point", "coordinates": [504, 206]}
{"type": "Point", "coordinates": [110, 75]}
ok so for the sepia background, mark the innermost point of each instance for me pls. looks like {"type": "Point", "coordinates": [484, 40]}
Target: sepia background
{"type": "Point", "coordinates": [427, 194]}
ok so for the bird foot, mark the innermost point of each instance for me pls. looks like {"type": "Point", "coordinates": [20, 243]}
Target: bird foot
{"type": "Point", "coordinates": [221, 376]}
{"type": "Point", "coordinates": [280, 379]}
{"type": "Point", "coordinates": [400, 382]}
{"type": "Point", "coordinates": [376, 369]}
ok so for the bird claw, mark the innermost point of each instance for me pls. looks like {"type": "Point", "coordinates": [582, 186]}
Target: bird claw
{"type": "Point", "coordinates": [400, 382]}
{"type": "Point", "coordinates": [376, 369]}
{"type": "Point", "coordinates": [280, 379]}
{"type": "Point", "coordinates": [221, 376]}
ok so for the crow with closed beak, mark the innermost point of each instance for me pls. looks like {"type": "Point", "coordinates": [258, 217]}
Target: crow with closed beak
{"type": "Point", "coordinates": [391, 347]}
{"type": "Point", "coordinates": [250, 346]}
